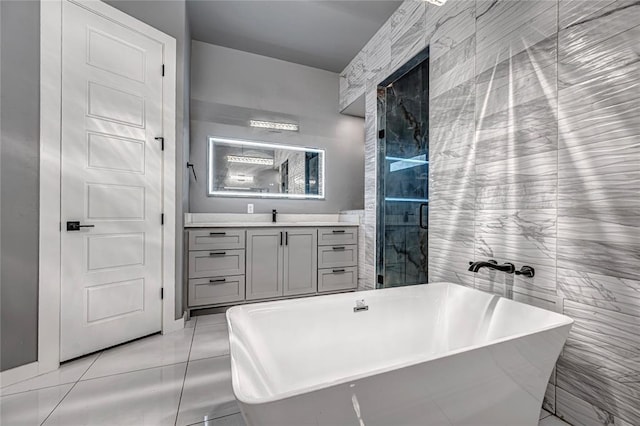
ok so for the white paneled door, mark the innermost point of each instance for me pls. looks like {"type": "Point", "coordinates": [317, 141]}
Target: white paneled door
{"type": "Point", "coordinates": [111, 183]}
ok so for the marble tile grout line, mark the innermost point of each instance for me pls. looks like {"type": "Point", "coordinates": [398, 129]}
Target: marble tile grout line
{"type": "Point", "coordinates": [70, 389]}
{"type": "Point", "coordinates": [561, 300]}
{"type": "Point", "coordinates": [186, 368]}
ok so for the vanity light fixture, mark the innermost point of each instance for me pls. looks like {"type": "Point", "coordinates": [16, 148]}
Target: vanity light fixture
{"type": "Point", "coordinates": [249, 160]}
{"type": "Point", "coordinates": [274, 125]}
{"type": "Point", "coordinates": [436, 2]}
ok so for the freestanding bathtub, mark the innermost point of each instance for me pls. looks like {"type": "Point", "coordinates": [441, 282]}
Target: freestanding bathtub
{"type": "Point", "coordinates": [436, 354]}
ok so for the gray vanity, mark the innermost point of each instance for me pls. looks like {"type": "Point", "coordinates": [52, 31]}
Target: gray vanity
{"type": "Point", "coordinates": [239, 263]}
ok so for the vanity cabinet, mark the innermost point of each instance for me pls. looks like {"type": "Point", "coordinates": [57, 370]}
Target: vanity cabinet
{"type": "Point", "coordinates": [281, 262]}
{"type": "Point", "coordinates": [234, 265]}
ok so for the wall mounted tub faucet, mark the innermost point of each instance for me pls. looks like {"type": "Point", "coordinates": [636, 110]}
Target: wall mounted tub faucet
{"type": "Point", "coordinates": [507, 267]}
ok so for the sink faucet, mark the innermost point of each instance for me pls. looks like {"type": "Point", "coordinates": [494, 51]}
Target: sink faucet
{"type": "Point", "coordinates": [509, 268]}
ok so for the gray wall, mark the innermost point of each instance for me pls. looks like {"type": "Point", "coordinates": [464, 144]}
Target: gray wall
{"type": "Point", "coordinates": [229, 87]}
{"type": "Point", "coordinates": [19, 108]}
{"type": "Point", "coordinates": [20, 80]}
{"type": "Point", "coordinates": [534, 159]}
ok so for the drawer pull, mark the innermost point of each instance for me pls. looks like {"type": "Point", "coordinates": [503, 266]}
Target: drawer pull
{"type": "Point", "coordinates": [338, 231]}
{"type": "Point", "coordinates": [339, 248]}
{"type": "Point", "coordinates": [218, 253]}
{"type": "Point", "coordinates": [217, 234]}
{"type": "Point", "coordinates": [219, 280]}
{"type": "Point", "coordinates": [338, 270]}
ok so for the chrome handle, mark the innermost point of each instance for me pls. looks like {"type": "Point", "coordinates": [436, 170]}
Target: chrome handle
{"type": "Point", "coordinates": [219, 280]}
{"type": "Point", "coordinates": [338, 248]}
{"type": "Point", "coordinates": [215, 234]}
{"type": "Point", "coordinates": [338, 270]}
{"type": "Point", "coordinates": [338, 231]}
{"type": "Point", "coordinates": [218, 253]}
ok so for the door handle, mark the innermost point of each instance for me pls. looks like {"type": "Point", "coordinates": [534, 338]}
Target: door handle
{"type": "Point", "coordinates": [280, 237]}
{"type": "Point", "coordinates": [339, 248]}
{"type": "Point", "coordinates": [218, 253]}
{"type": "Point", "coordinates": [286, 238]}
{"type": "Point", "coordinates": [219, 280]}
{"type": "Point", "coordinates": [75, 226]}
{"type": "Point", "coordinates": [421, 223]}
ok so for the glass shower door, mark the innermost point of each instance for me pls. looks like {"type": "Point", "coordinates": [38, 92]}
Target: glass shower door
{"type": "Point", "coordinates": [403, 179]}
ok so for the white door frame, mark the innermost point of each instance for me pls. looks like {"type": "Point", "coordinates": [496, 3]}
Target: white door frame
{"type": "Point", "coordinates": [50, 171]}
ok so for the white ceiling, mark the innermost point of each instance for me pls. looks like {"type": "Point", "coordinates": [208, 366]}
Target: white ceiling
{"type": "Point", "coordinates": [320, 34]}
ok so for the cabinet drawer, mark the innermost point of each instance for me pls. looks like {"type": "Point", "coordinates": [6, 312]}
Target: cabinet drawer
{"type": "Point", "coordinates": [337, 236]}
{"type": "Point", "coordinates": [216, 239]}
{"type": "Point", "coordinates": [209, 291]}
{"type": "Point", "coordinates": [216, 263]}
{"type": "Point", "coordinates": [337, 279]}
{"type": "Point", "coordinates": [337, 256]}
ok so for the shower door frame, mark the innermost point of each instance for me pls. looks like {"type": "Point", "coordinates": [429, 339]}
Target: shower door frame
{"type": "Point", "coordinates": [420, 58]}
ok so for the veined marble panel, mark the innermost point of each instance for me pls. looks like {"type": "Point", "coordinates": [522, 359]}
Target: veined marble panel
{"type": "Point", "coordinates": [617, 226]}
{"type": "Point", "coordinates": [448, 261]}
{"type": "Point", "coordinates": [461, 52]}
{"type": "Point", "coordinates": [578, 412]}
{"type": "Point", "coordinates": [615, 58]}
{"type": "Point", "coordinates": [455, 226]}
{"type": "Point", "coordinates": [613, 156]}
{"type": "Point", "coordinates": [524, 130]}
{"type": "Point", "coordinates": [352, 81]}
{"type": "Point", "coordinates": [461, 74]}
{"type": "Point", "coordinates": [547, 301]}
{"type": "Point", "coordinates": [600, 361]}
{"type": "Point", "coordinates": [603, 291]}
{"type": "Point", "coordinates": [449, 25]}
{"type": "Point", "coordinates": [594, 193]}
{"type": "Point", "coordinates": [494, 98]}
{"type": "Point", "coordinates": [613, 19]}
{"type": "Point", "coordinates": [407, 32]}
{"type": "Point", "coordinates": [527, 34]}
{"type": "Point", "coordinates": [378, 54]}
{"type": "Point", "coordinates": [531, 168]}
{"type": "Point", "coordinates": [572, 11]}
{"type": "Point", "coordinates": [605, 257]}
{"type": "Point", "coordinates": [530, 61]}
{"type": "Point", "coordinates": [539, 194]}
{"type": "Point", "coordinates": [496, 20]}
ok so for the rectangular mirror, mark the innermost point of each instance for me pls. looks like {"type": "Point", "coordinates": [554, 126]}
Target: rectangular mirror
{"type": "Point", "coordinates": [240, 168]}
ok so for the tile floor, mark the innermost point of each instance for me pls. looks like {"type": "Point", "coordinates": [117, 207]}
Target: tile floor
{"type": "Point", "coordinates": [182, 378]}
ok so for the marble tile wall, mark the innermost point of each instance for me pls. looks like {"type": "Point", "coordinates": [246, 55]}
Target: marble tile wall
{"type": "Point", "coordinates": [534, 159]}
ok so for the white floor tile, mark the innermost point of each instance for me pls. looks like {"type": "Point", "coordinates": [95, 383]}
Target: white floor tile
{"type": "Point", "coordinates": [207, 392]}
{"type": "Point", "coordinates": [232, 420]}
{"type": "Point", "coordinates": [69, 372]}
{"type": "Point", "coordinates": [32, 407]}
{"type": "Point", "coordinates": [205, 320]}
{"type": "Point", "coordinates": [552, 421]}
{"type": "Point", "coordinates": [544, 413]}
{"type": "Point", "coordinates": [150, 352]}
{"type": "Point", "coordinates": [191, 323]}
{"type": "Point", "coordinates": [210, 341]}
{"type": "Point", "coordinates": [146, 397]}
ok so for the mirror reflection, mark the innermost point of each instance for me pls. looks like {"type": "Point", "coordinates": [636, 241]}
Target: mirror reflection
{"type": "Point", "coordinates": [240, 168]}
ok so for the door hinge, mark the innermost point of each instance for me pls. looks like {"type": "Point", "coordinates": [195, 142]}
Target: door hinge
{"type": "Point", "coordinates": [162, 293]}
{"type": "Point", "coordinates": [161, 140]}
{"type": "Point", "coordinates": [161, 218]}
{"type": "Point", "coordinates": [163, 70]}
{"type": "Point", "coordinates": [381, 134]}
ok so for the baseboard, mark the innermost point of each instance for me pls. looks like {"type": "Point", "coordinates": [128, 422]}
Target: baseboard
{"type": "Point", "coordinates": [174, 326]}
{"type": "Point", "coordinates": [18, 374]}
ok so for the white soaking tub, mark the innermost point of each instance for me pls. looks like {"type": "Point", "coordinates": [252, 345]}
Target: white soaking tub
{"type": "Point", "coordinates": [436, 354]}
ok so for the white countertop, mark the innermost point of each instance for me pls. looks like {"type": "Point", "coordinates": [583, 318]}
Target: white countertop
{"type": "Point", "coordinates": [263, 220]}
{"type": "Point", "coordinates": [265, 224]}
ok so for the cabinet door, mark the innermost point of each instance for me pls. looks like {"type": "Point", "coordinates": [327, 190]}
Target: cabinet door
{"type": "Point", "coordinates": [264, 263]}
{"type": "Point", "coordinates": [300, 261]}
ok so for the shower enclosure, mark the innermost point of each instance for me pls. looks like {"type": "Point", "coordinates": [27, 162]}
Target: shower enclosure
{"type": "Point", "coordinates": [403, 175]}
